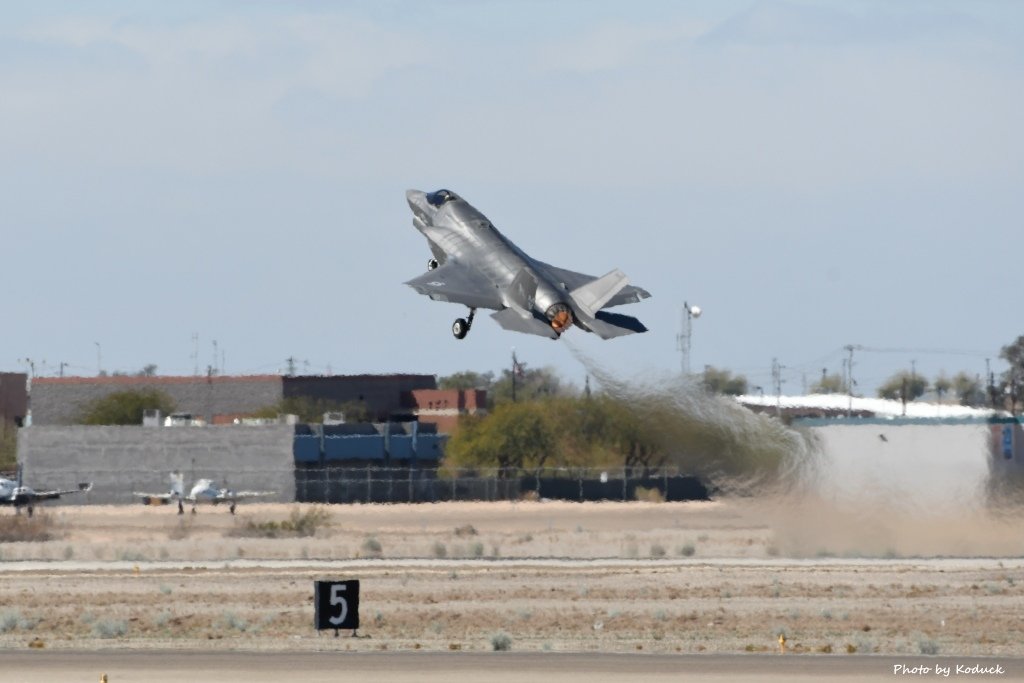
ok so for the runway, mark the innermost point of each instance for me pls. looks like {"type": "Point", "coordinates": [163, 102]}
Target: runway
{"type": "Point", "coordinates": [174, 666]}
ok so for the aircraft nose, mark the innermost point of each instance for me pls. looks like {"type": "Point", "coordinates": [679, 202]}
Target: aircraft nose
{"type": "Point", "coordinates": [418, 203]}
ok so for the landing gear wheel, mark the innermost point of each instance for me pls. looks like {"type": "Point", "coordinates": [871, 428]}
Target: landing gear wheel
{"type": "Point", "coordinates": [432, 264]}
{"type": "Point", "coordinates": [460, 328]}
{"type": "Point", "coordinates": [232, 508]}
{"type": "Point", "coordinates": [181, 508]}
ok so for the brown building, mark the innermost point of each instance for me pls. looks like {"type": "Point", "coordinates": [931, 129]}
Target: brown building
{"type": "Point", "coordinates": [443, 407]}
{"type": "Point", "coordinates": [13, 398]}
{"type": "Point", "coordinates": [218, 399]}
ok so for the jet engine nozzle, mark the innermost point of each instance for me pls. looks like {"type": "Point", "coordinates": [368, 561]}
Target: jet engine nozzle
{"type": "Point", "coordinates": [560, 317]}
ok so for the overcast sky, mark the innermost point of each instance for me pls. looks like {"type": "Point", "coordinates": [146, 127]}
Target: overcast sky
{"type": "Point", "coordinates": [811, 174]}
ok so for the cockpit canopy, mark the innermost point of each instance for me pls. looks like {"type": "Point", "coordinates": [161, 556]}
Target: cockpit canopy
{"type": "Point", "coordinates": [441, 197]}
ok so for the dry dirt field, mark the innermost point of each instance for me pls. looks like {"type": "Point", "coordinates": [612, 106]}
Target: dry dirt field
{"type": "Point", "coordinates": [719, 577]}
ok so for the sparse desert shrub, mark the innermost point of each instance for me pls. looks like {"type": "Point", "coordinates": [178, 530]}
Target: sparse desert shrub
{"type": "Point", "coordinates": [440, 550]}
{"type": "Point", "coordinates": [181, 531]}
{"type": "Point", "coordinates": [657, 550]}
{"type": "Point", "coordinates": [110, 628]}
{"type": "Point", "coordinates": [649, 495]}
{"type": "Point", "coordinates": [131, 555]}
{"type": "Point", "coordinates": [501, 642]}
{"type": "Point", "coordinates": [372, 547]}
{"type": "Point", "coordinates": [22, 528]}
{"type": "Point", "coordinates": [233, 621]}
{"type": "Point", "coordinates": [9, 620]}
{"type": "Point", "coordinates": [299, 523]}
{"type": "Point", "coordinates": [927, 646]}
{"type": "Point", "coordinates": [465, 530]}
{"type": "Point", "coordinates": [687, 550]}
{"type": "Point", "coordinates": [477, 549]}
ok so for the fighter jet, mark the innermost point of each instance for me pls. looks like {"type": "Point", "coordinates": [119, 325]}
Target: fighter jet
{"type": "Point", "coordinates": [475, 265]}
{"type": "Point", "coordinates": [204, 491]}
{"type": "Point", "coordinates": [14, 492]}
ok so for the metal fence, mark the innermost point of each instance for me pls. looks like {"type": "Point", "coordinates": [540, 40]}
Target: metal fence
{"type": "Point", "coordinates": [405, 485]}
{"type": "Point", "coordinates": [364, 483]}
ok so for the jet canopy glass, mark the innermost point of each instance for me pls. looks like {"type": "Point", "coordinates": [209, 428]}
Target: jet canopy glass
{"type": "Point", "coordinates": [440, 197]}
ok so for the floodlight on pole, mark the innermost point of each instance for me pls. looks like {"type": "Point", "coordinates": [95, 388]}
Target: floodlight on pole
{"type": "Point", "coordinates": [683, 338]}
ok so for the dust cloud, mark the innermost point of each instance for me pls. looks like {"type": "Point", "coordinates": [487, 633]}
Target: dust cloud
{"type": "Point", "coordinates": [824, 496]}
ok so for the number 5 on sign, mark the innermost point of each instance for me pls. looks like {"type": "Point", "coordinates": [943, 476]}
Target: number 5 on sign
{"type": "Point", "coordinates": [336, 605]}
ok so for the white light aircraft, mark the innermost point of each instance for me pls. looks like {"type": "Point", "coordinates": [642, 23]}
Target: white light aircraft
{"type": "Point", "coordinates": [14, 492]}
{"type": "Point", "coordinates": [204, 491]}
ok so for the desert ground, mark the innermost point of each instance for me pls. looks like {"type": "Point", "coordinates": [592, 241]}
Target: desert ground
{"type": "Point", "coordinates": [664, 578]}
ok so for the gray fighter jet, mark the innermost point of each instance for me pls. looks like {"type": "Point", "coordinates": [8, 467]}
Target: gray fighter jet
{"type": "Point", "coordinates": [475, 265]}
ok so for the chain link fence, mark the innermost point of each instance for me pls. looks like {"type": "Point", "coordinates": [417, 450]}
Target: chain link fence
{"type": "Point", "coordinates": [405, 485]}
{"type": "Point", "coordinates": [369, 484]}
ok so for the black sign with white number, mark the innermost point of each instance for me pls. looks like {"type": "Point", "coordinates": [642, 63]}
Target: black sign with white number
{"type": "Point", "coordinates": [336, 604]}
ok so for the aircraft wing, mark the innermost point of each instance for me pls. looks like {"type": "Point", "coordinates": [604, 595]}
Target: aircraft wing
{"type": "Point", "coordinates": [572, 280]}
{"type": "Point", "coordinates": [458, 283]}
{"type": "Point", "coordinates": [57, 493]}
{"type": "Point", "coordinates": [239, 495]}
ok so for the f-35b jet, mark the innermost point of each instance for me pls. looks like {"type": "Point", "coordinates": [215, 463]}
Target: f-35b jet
{"type": "Point", "coordinates": [475, 265]}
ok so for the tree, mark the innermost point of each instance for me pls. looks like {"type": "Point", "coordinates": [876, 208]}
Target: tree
{"type": "Point", "coordinates": [829, 384]}
{"type": "Point", "coordinates": [467, 379]}
{"type": "Point", "coordinates": [968, 390]}
{"type": "Point", "coordinates": [1013, 378]}
{"type": "Point", "coordinates": [8, 446]}
{"type": "Point", "coordinates": [942, 385]}
{"type": "Point", "coordinates": [530, 384]}
{"type": "Point", "coordinates": [513, 436]}
{"type": "Point", "coordinates": [125, 407]}
{"type": "Point", "coordinates": [723, 382]}
{"type": "Point", "coordinates": [905, 386]}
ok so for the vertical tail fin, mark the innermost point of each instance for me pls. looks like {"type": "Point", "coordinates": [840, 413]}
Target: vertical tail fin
{"type": "Point", "coordinates": [592, 296]}
{"type": "Point", "coordinates": [178, 484]}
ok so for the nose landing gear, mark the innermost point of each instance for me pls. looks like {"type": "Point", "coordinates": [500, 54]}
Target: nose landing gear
{"type": "Point", "coordinates": [460, 328]}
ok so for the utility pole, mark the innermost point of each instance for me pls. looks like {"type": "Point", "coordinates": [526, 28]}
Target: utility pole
{"type": "Point", "coordinates": [777, 383]}
{"type": "Point", "coordinates": [515, 372]}
{"type": "Point", "coordinates": [848, 363]}
{"type": "Point", "coordinates": [99, 358]}
{"type": "Point", "coordinates": [291, 366]}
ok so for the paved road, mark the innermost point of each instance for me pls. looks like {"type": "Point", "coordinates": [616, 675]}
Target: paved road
{"type": "Point", "coordinates": [167, 666]}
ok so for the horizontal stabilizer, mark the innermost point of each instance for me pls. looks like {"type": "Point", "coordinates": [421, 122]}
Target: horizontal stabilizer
{"type": "Point", "coordinates": [608, 325]}
{"type": "Point", "coordinates": [510, 319]}
{"type": "Point", "coordinates": [592, 296]}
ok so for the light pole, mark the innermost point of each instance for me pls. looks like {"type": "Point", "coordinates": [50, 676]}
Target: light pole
{"type": "Point", "coordinates": [683, 338]}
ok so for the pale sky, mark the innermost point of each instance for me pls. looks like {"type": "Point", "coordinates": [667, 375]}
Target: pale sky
{"type": "Point", "coordinates": [811, 174]}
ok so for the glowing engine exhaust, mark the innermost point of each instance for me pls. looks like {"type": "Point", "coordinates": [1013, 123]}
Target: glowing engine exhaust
{"type": "Point", "coordinates": [560, 316]}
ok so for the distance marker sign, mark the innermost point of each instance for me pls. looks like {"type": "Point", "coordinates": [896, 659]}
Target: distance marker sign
{"type": "Point", "coordinates": [336, 604]}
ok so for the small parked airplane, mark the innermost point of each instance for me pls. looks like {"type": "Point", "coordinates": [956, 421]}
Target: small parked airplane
{"type": "Point", "coordinates": [475, 265]}
{"type": "Point", "coordinates": [14, 492]}
{"type": "Point", "coordinates": [204, 491]}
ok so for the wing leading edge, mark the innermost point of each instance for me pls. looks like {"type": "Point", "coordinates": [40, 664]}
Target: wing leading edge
{"type": "Point", "coordinates": [460, 284]}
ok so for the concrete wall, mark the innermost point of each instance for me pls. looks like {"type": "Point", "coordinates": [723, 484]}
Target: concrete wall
{"type": "Point", "coordinates": [119, 460]}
